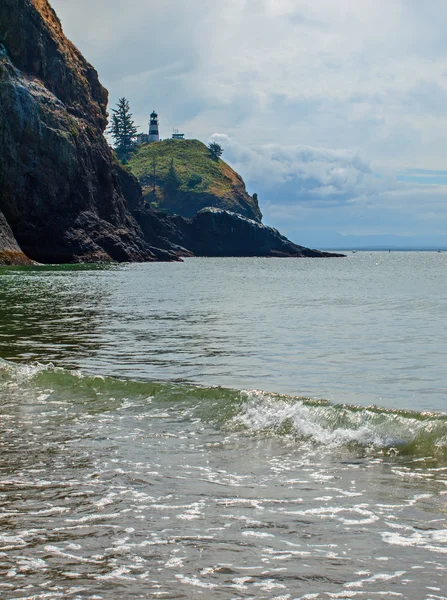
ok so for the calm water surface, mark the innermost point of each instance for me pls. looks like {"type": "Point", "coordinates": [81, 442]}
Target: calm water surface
{"type": "Point", "coordinates": [225, 428]}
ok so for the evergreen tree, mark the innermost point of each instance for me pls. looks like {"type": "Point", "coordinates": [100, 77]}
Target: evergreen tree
{"type": "Point", "coordinates": [122, 129]}
{"type": "Point", "coordinates": [216, 150]}
{"type": "Point", "coordinates": [154, 173]}
{"type": "Point", "coordinates": [172, 182]}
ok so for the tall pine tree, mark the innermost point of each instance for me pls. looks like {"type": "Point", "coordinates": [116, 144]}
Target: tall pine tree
{"type": "Point", "coordinates": [172, 182]}
{"type": "Point", "coordinates": [122, 129]}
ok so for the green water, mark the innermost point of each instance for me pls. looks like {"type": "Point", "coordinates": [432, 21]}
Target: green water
{"type": "Point", "coordinates": [229, 428]}
{"type": "Point", "coordinates": [365, 330]}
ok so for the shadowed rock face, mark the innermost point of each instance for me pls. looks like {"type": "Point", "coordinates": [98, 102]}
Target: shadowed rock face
{"type": "Point", "coordinates": [216, 232]}
{"type": "Point", "coordinates": [61, 190]}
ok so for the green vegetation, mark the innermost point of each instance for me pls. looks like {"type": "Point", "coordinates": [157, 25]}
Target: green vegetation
{"type": "Point", "coordinates": [73, 127]}
{"type": "Point", "coordinates": [171, 182]}
{"type": "Point", "coordinates": [194, 167]}
{"type": "Point", "coordinates": [216, 150]}
{"type": "Point", "coordinates": [123, 130]}
{"type": "Point", "coordinates": [182, 176]}
{"type": "Point", "coordinates": [195, 180]}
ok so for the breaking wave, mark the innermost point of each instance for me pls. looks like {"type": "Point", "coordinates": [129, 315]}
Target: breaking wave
{"type": "Point", "coordinates": [248, 412]}
{"type": "Point", "coordinates": [323, 423]}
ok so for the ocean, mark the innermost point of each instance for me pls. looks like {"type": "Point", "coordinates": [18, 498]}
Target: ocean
{"type": "Point", "coordinates": [239, 428]}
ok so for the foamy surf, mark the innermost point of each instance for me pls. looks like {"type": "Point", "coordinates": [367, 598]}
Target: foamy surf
{"type": "Point", "coordinates": [332, 425]}
{"type": "Point", "coordinates": [171, 490]}
{"type": "Point", "coordinates": [250, 411]}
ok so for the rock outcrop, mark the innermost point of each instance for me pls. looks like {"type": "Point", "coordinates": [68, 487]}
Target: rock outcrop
{"type": "Point", "coordinates": [217, 232]}
{"type": "Point", "coordinates": [202, 206]}
{"type": "Point", "coordinates": [61, 189]}
{"type": "Point", "coordinates": [10, 252]}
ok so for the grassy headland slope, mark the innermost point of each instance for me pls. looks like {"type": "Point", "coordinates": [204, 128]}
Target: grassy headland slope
{"type": "Point", "coordinates": [199, 181]}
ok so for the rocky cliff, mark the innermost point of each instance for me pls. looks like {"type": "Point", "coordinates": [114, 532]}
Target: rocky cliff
{"type": "Point", "coordinates": [181, 177]}
{"type": "Point", "coordinates": [61, 190]}
{"type": "Point", "coordinates": [217, 232]}
{"type": "Point", "coordinates": [63, 195]}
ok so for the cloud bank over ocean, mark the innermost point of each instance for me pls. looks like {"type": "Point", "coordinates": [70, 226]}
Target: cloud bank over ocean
{"type": "Point", "coordinates": [336, 197]}
{"type": "Point", "coordinates": [334, 112]}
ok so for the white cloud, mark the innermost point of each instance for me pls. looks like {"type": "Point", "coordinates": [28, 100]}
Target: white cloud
{"type": "Point", "coordinates": [305, 173]}
{"type": "Point", "coordinates": [316, 195]}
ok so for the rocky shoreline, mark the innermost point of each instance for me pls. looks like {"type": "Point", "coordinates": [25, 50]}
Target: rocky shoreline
{"type": "Point", "coordinates": [64, 197]}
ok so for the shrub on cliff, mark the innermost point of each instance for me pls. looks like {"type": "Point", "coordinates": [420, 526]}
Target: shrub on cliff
{"type": "Point", "coordinates": [194, 180]}
{"type": "Point", "coordinates": [216, 150]}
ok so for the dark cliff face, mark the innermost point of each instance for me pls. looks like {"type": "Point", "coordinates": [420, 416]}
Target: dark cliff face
{"type": "Point", "coordinates": [217, 232]}
{"type": "Point", "coordinates": [61, 190]}
{"type": "Point", "coordinates": [37, 46]}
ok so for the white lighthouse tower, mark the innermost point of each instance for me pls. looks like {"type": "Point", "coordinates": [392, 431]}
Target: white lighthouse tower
{"type": "Point", "coordinates": [153, 128]}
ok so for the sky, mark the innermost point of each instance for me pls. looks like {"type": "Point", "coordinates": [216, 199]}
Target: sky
{"type": "Point", "coordinates": [335, 113]}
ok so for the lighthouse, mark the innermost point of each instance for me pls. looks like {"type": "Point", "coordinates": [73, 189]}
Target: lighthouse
{"type": "Point", "coordinates": [153, 128]}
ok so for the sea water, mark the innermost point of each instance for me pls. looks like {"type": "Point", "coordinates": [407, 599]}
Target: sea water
{"type": "Point", "coordinates": [225, 428]}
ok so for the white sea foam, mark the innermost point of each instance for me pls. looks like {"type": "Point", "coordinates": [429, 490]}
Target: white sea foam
{"type": "Point", "coordinates": [434, 541]}
{"type": "Point", "coordinates": [332, 426]}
